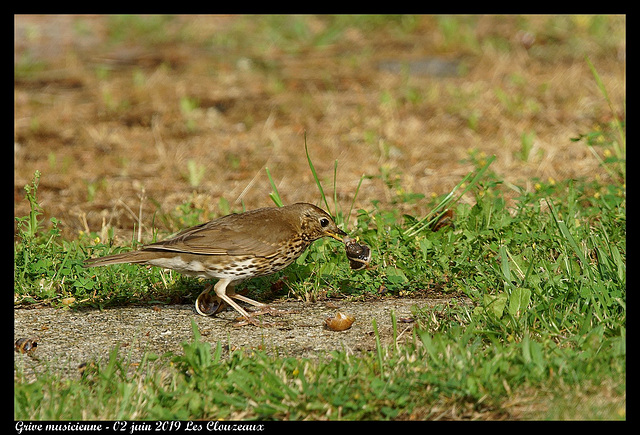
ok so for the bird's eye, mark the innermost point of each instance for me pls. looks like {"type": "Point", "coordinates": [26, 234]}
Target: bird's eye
{"type": "Point", "coordinates": [324, 222]}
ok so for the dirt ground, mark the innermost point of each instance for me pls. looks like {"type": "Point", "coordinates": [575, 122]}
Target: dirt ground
{"type": "Point", "coordinates": [69, 338]}
{"type": "Point", "coordinates": [109, 123]}
{"type": "Point", "coordinates": [129, 118]}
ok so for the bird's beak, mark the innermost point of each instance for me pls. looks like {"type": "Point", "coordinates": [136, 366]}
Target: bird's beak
{"type": "Point", "coordinates": [338, 235]}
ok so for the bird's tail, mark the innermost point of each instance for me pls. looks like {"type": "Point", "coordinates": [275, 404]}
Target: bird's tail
{"type": "Point", "coordinates": [125, 257]}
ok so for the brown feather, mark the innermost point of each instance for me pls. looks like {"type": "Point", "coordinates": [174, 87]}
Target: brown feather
{"type": "Point", "coordinates": [234, 234]}
{"type": "Point", "coordinates": [255, 233]}
{"type": "Point", "coordinates": [125, 257]}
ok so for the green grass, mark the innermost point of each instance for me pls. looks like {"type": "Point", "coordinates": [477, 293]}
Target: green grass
{"type": "Point", "coordinates": [547, 275]}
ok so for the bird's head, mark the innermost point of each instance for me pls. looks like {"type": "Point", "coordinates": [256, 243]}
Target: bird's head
{"type": "Point", "coordinates": [316, 223]}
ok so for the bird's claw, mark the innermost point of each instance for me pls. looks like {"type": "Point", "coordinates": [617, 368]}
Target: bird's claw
{"type": "Point", "coordinates": [254, 320]}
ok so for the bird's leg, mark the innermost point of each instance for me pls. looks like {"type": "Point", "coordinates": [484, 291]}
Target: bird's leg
{"type": "Point", "coordinates": [242, 298]}
{"type": "Point", "coordinates": [221, 290]}
{"type": "Point", "coordinates": [209, 304]}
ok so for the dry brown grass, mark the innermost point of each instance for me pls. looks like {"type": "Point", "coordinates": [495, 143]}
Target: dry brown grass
{"type": "Point", "coordinates": [106, 119]}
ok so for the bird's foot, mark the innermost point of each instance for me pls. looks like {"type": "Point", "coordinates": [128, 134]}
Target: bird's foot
{"type": "Point", "coordinates": [254, 320]}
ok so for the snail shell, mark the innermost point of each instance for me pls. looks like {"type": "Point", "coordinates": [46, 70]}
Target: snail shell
{"type": "Point", "coordinates": [445, 220]}
{"type": "Point", "coordinates": [339, 322]}
{"type": "Point", "coordinates": [359, 254]}
{"type": "Point", "coordinates": [25, 345]}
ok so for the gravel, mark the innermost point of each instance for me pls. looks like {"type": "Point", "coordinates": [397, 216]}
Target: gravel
{"type": "Point", "coordinates": [67, 338]}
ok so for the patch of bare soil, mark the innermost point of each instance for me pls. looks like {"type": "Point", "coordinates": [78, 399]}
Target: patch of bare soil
{"type": "Point", "coordinates": [67, 338]}
{"type": "Point", "coordinates": [122, 131]}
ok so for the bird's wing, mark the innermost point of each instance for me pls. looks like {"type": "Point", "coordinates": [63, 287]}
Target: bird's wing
{"type": "Point", "coordinates": [229, 236]}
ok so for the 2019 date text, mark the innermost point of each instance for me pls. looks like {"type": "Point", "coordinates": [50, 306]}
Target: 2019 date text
{"type": "Point", "coordinates": [132, 427]}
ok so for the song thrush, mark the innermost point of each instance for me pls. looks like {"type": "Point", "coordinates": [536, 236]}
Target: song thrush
{"type": "Point", "coordinates": [233, 248]}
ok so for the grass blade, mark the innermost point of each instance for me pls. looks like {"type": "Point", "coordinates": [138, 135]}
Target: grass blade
{"type": "Point", "coordinates": [441, 208]}
{"type": "Point", "coordinates": [504, 266]}
{"type": "Point", "coordinates": [275, 195]}
{"type": "Point", "coordinates": [335, 191]}
{"type": "Point", "coordinates": [354, 199]}
{"type": "Point", "coordinates": [620, 152]}
{"type": "Point", "coordinates": [313, 171]}
{"type": "Point", "coordinates": [564, 230]}
{"type": "Point", "coordinates": [378, 347]}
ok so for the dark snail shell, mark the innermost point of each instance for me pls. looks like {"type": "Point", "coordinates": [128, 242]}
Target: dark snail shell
{"type": "Point", "coordinates": [208, 304]}
{"type": "Point", "coordinates": [26, 345]}
{"type": "Point", "coordinates": [359, 254]}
